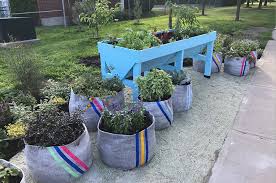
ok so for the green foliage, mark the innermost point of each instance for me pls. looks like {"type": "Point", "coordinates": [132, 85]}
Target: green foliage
{"type": "Point", "coordinates": [137, 11]}
{"type": "Point", "coordinates": [138, 40]}
{"type": "Point", "coordinates": [127, 121]}
{"type": "Point", "coordinates": [190, 31]}
{"type": "Point", "coordinates": [102, 15]}
{"type": "Point", "coordinates": [54, 88]}
{"type": "Point", "coordinates": [5, 114]}
{"type": "Point", "coordinates": [6, 173]}
{"type": "Point", "coordinates": [80, 7]}
{"type": "Point", "coordinates": [25, 71]}
{"type": "Point", "coordinates": [91, 85]}
{"type": "Point", "coordinates": [22, 113]}
{"type": "Point", "coordinates": [242, 48]}
{"type": "Point", "coordinates": [155, 86]}
{"type": "Point", "coordinates": [54, 128]}
{"type": "Point", "coordinates": [3, 143]}
{"type": "Point", "coordinates": [24, 98]}
{"type": "Point", "coordinates": [179, 77]}
{"type": "Point", "coordinates": [185, 16]}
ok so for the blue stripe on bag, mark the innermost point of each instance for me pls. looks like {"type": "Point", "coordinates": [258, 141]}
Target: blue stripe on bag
{"type": "Point", "coordinates": [244, 68]}
{"type": "Point", "coordinates": [215, 63]}
{"type": "Point", "coordinates": [137, 149]}
{"type": "Point", "coordinates": [162, 110]}
{"type": "Point", "coordinates": [68, 160]}
{"type": "Point", "coordinates": [95, 109]}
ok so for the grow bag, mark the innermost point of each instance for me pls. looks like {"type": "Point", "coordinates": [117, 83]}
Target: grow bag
{"type": "Point", "coordinates": [92, 108]}
{"type": "Point", "coordinates": [60, 163]}
{"type": "Point", "coordinates": [10, 165]}
{"type": "Point", "coordinates": [182, 97]}
{"type": "Point", "coordinates": [127, 151]}
{"type": "Point", "coordinates": [254, 55]}
{"type": "Point", "coordinates": [162, 112]}
{"type": "Point", "coordinates": [237, 66]}
{"type": "Point", "coordinates": [199, 66]}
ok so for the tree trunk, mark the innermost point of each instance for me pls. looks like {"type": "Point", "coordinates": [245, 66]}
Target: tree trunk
{"type": "Point", "coordinates": [170, 17]}
{"type": "Point", "coordinates": [252, 2]}
{"type": "Point", "coordinates": [260, 4]}
{"type": "Point", "coordinates": [265, 3]}
{"type": "Point", "coordinates": [247, 3]}
{"type": "Point", "coordinates": [238, 10]}
{"type": "Point", "coordinates": [203, 7]}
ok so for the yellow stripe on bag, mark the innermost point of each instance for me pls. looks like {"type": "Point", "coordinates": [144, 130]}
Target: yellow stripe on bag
{"type": "Point", "coordinates": [142, 144]}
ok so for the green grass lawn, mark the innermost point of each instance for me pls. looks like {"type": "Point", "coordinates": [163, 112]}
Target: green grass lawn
{"type": "Point", "coordinates": [60, 48]}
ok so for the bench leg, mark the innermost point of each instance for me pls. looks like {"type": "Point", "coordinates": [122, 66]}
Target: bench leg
{"type": "Point", "coordinates": [208, 61]}
{"type": "Point", "coordinates": [179, 60]}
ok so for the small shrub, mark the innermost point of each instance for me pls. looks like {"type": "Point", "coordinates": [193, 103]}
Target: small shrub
{"type": "Point", "coordinates": [5, 114]}
{"type": "Point", "coordinates": [16, 130]}
{"type": "Point", "coordinates": [185, 16]}
{"type": "Point", "coordinates": [54, 128]}
{"type": "Point", "coordinates": [190, 31]}
{"type": "Point", "coordinates": [55, 89]}
{"type": "Point", "coordinates": [179, 77]}
{"type": "Point", "coordinates": [22, 113]}
{"type": "Point", "coordinates": [128, 121]}
{"type": "Point", "coordinates": [25, 99]}
{"type": "Point", "coordinates": [80, 7]}
{"type": "Point", "coordinates": [155, 86]}
{"type": "Point", "coordinates": [138, 40]}
{"type": "Point", "coordinates": [7, 175]}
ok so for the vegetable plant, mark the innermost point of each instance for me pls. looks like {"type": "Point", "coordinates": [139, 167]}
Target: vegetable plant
{"type": "Point", "coordinates": [155, 86]}
{"type": "Point", "coordinates": [127, 121]}
{"type": "Point", "coordinates": [9, 175]}
{"type": "Point", "coordinates": [185, 16]}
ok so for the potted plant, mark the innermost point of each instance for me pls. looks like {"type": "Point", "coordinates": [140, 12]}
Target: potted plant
{"type": "Point", "coordinates": [238, 59]}
{"type": "Point", "coordinates": [217, 57]}
{"type": "Point", "coordinates": [90, 95]}
{"type": "Point", "coordinates": [59, 142]}
{"type": "Point", "coordinates": [9, 173]}
{"type": "Point", "coordinates": [182, 96]}
{"type": "Point", "coordinates": [126, 138]}
{"type": "Point", "coordinates": [156, 89]}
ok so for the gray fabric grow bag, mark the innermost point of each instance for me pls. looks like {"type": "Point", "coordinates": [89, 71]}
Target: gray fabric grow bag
{"type": "Point", "coordinates": [127, 151]}
{"type": "Point", "coordinates": [91, 108]}
{"type": "Point", "coordinates": [237, 66]}
{"type": "Point", "coordinates": [199, 66]}
{"type": "Point", "coordinates": [182, 97]}
{"type": "Point", "coordinates": [10, 165]}
{"type": "Point", "coordinates": [60, 163]}
{"type": "Point", "coordinates": [162, 112]}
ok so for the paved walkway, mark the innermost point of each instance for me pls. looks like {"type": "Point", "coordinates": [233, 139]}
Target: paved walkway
{"type": "Point", "coordinates": [249, 152]}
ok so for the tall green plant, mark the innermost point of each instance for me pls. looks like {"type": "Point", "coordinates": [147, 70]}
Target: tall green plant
{"type": "Point", "coordinates": [185, 16]}
{"type": "Point", "coordinates": [155, 86]}
{"type": "Point", "coordinates": [102, 15]}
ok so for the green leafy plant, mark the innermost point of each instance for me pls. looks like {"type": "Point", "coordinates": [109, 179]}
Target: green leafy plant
{"type": "Point", "coordinates": [80, 7]}
{"type": "Point", "coordinates": [127, 121]}
{"type": "Point", "coordinates": [179, 77]}
{"type": "Point", "coordinates": [7, 175]}
{"type": "Point", "coordinates": [22, 113]}
{"type": "Point", "coordinates": [54, 128]}
{"type": "Point", "coordinates": [190, 31]}
{"type": "Point", "coordinates": [55, 89]}
{"type": "Point", "coordinates": [25, 98]}
{"type": "Point", "coordinates": [3, 143]}
{"type": "Point", "coordinates": [91, 85]}
{"type": "Point", "coordinates": [242, 48]}
{"type": "Point", "coordinates": [155, 86]}
{"type": "Point", "coordinates": [102, 15]}
{"type": "Point", "coordinates": [5, 114]}
{"type": "Point", "coordinates": [185, 16]}
{"type": "Point", "coordinates": [138, 40]}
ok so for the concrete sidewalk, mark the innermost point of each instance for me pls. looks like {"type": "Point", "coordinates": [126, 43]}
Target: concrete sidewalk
{"type": "Point", "coordinates": [249, 152]}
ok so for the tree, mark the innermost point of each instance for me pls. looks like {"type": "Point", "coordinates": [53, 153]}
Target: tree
{"type": "Point", "coordinates": [265, 2]}
{"type": "Point", "coordinates": [203, 7]}
{"type": "Point", "coordinates": [137, 11]}
{"type": "Point", "coordinates": [260, 4]}
{"type": "Point", "coordinates": [102, 15]}
{"type": "Point", "coordinates": [238, 10]}
{"type": "Point", "coordinates": [247, 3]}
{"type": "Point", "coordinates": [169, 4]}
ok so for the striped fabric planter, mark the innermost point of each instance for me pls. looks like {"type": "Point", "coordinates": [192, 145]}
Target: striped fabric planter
{"type": "Point", "coordinates": [63, 163]}
{"type": "Point", "coordinates": [199, 66]}
{"type": "Point", "coordinates": [254, 55]}
{"type": "Point", "coordinates": [162, 112]}
{"type": "Point", "coordinates": [237, 66]}
{"type": "Point", "coordinates": [182, 97]}
{"type": "Point", "coordinates": [92, 107]}
{"type": "Point", "coordinates": [127, 151]}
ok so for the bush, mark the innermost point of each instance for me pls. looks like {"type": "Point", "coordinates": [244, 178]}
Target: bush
{"type": "Point", "coordinates": [185, 16]}
{"type": "Point", "coordinates": [54, 128]}
{"type": "Point", "coordinates": [91, 85]}
{"type": "Point", "coordinates": [138, 40]}
{"type": "Point", "coordinates": [155, 86]}
{"type": "Point", "coordinates": [190, 31]}
{"type": "Point", "coordinates": [179, 77]}
{"type": "Point", "coordinates": [55, 89]}
{"type": "Point", "coordinates": [25, 99]}
{"type": "Point", "coordinates": [128, 121]}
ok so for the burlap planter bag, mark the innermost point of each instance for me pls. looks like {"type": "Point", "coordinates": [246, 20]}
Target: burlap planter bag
{"type": "Point", "coordinates": [162, 112]}
{"type": "Point", "coordinates": [199, 66]}
{"type": "Point", "coordinates": [60, 163]}
{"type": "Point", "coordinates": [10, 165]}
{"type": "Point", "coordinates": [92, 107]}
{"type": "Point", "coordinates": [254, 55]}
{"type": "Point", "coordinates": [127, 151]}
{"type": "Point", "coordinates": [182, 97]}
{"type": "Point", "coordinates": [237, 66]}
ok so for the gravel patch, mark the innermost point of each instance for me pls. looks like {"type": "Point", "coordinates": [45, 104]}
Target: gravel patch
{"type": "Point", "coordinates": [186, 151]}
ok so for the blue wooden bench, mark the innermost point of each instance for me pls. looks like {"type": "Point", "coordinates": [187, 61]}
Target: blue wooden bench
{"type": "Point", "coordinates": [129, 64]}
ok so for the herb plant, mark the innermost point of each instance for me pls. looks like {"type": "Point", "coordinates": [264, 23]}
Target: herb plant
{"type": "Point", "coordinates": [55, 89]}
{"type": "Point", "coordinates": [138, 40]}
{"type": "Point", "coordinates": [54, 128]}
{"type": "Point", "coordinates": [127, 121]}
{"type": "Point", "coordinates": [9, 175]}
{"type": "Point", "coordinates": [179, 77]}
{"type": "Point", "coordinates": [155, 86]}
{"type": "Point", "coordinates": [185, 16]}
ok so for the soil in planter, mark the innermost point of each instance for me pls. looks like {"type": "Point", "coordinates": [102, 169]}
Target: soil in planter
{"type": "Point", "coordinates": [187, 62]}
{"type": "Point", "coordinates": [15, 179]}
{"type": "Point", "coordinates": [147, 119]}
{"type": "Point", "coordinates": [90, 61]}
{"type": "Point", "coordinates": [14, 147]}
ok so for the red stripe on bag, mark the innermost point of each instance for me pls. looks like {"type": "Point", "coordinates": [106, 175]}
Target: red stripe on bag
{"type": "Point", "coordinates": [99, 106]}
